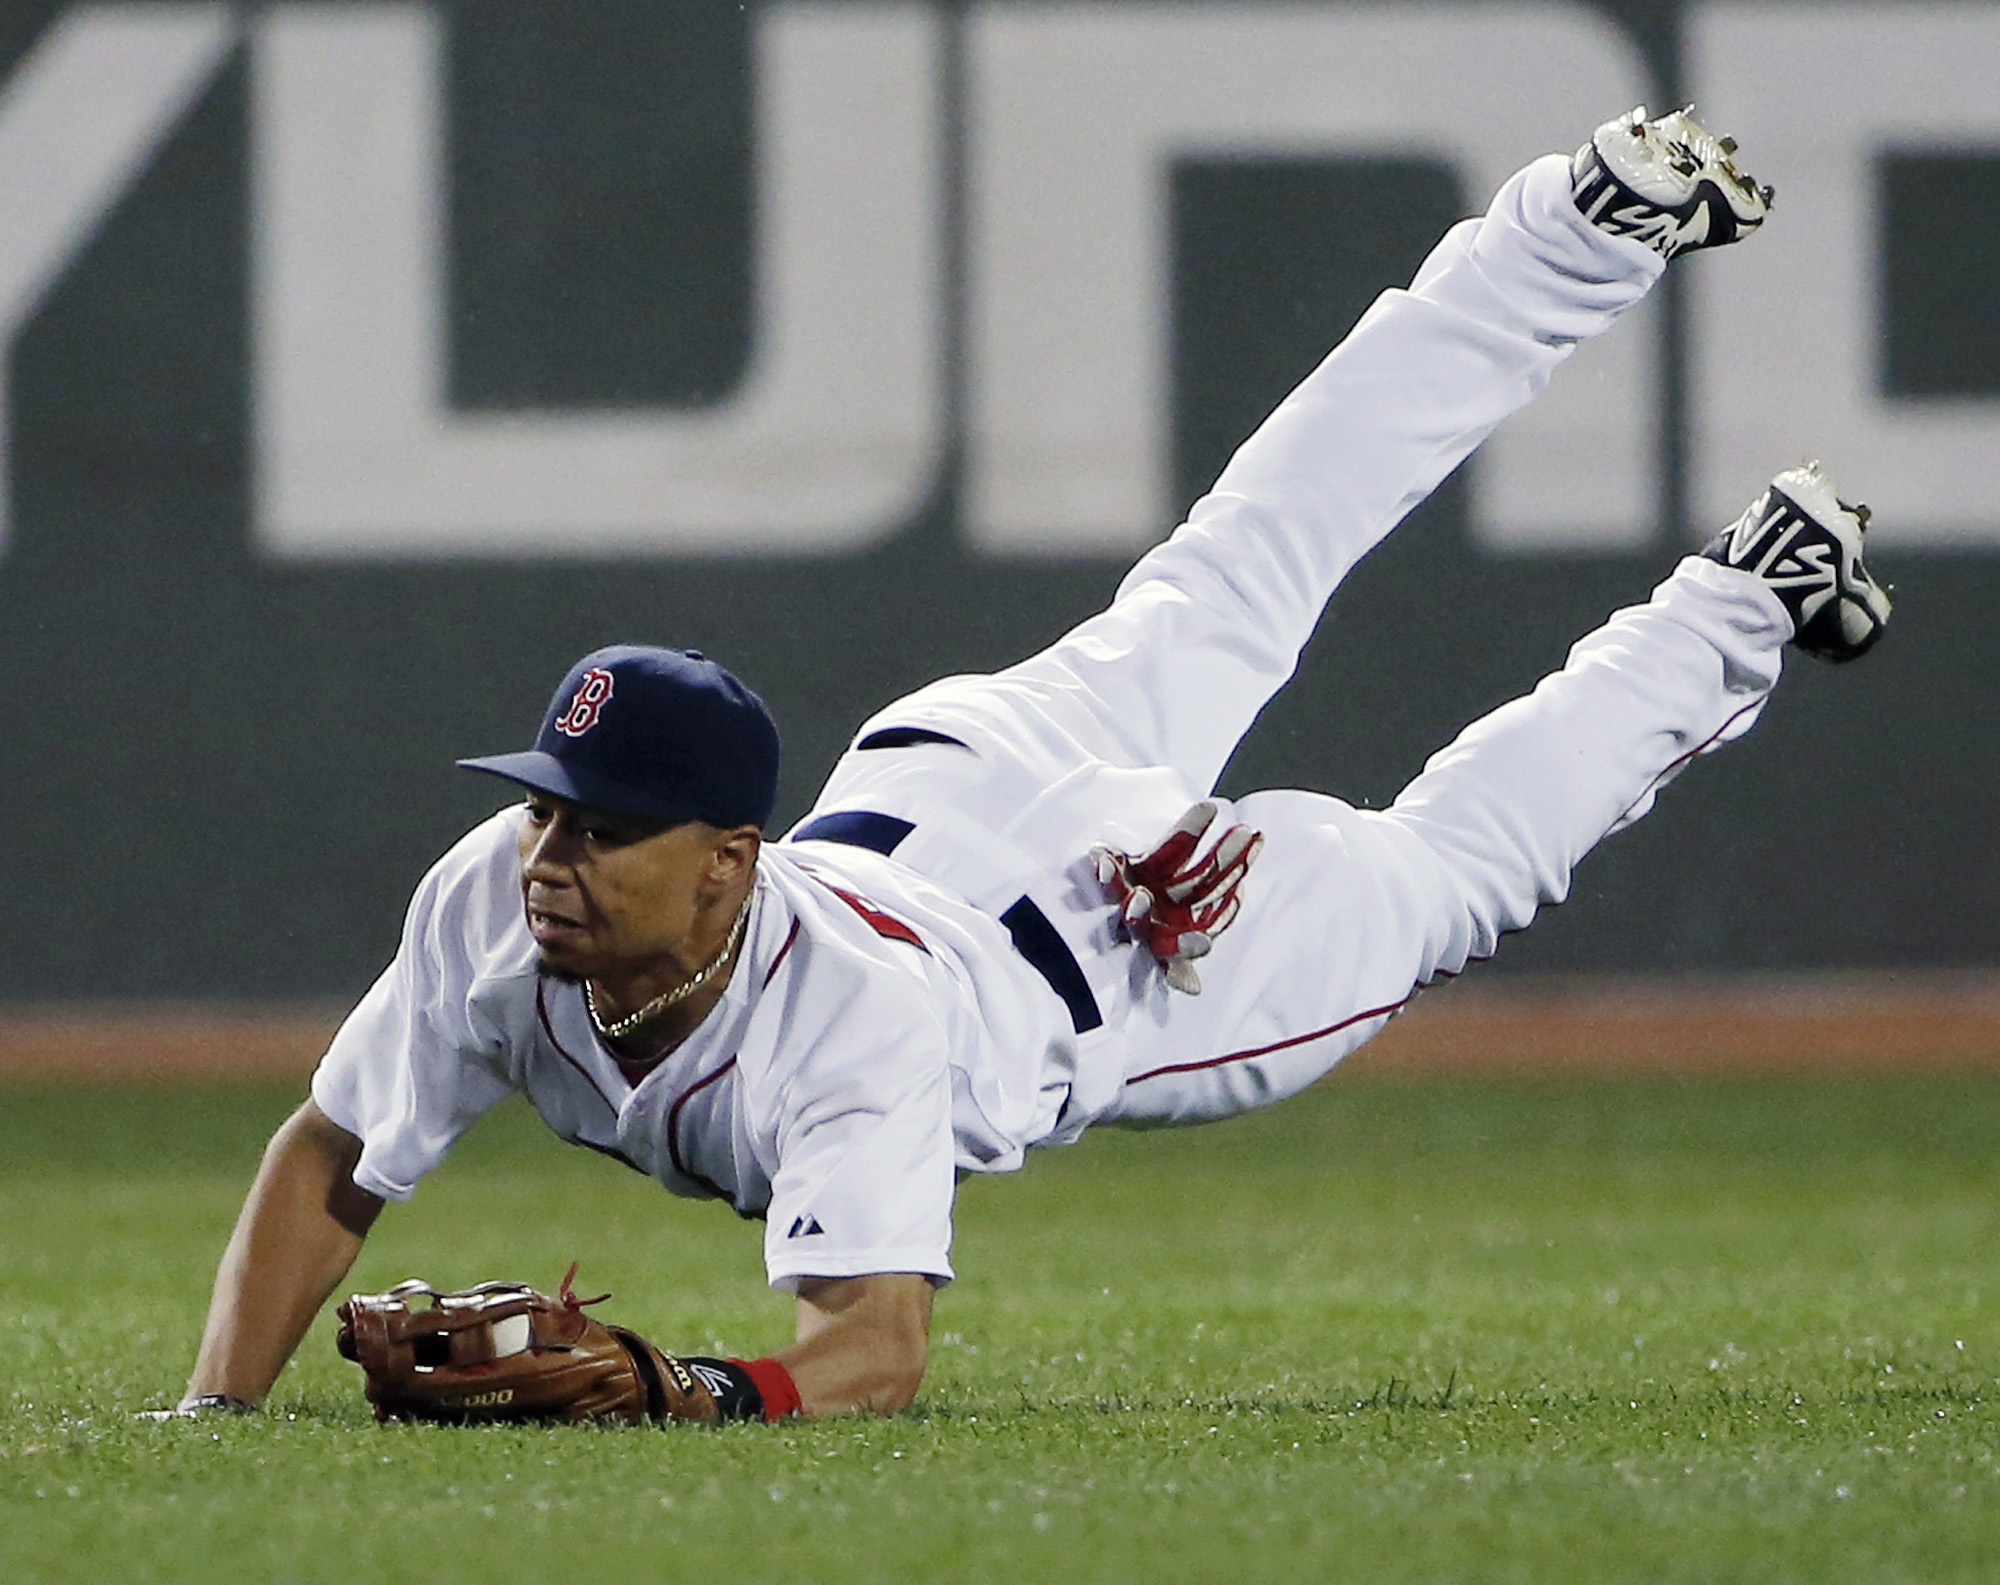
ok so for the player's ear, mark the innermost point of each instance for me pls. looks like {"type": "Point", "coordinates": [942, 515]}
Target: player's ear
{"type": "Point", "coordinates": [735, 851]}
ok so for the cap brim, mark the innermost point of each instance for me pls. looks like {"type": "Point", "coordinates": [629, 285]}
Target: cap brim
{"type": "Point", "coordinates": [545, 773]}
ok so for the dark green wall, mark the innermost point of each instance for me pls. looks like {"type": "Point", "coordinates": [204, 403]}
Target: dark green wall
{"type": "Point", "coordinates": [222, 774]}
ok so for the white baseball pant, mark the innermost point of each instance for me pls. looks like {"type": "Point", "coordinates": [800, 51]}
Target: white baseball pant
{"type": "Point", "coordinates": [1109, 733]}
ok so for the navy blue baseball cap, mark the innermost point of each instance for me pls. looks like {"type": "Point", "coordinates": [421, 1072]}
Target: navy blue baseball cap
{"type": "Point", "coordinates": [660, 734]}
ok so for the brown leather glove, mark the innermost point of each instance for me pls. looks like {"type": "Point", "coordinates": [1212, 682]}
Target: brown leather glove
{"type": "Point", "coordinates": [502, 1351]}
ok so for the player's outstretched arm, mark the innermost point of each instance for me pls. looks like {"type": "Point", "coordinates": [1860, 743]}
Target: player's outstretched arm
{"type": "Point", "coordinates": [862, 1342]}
{"type": "Point", "coordinates": [296, 1237]}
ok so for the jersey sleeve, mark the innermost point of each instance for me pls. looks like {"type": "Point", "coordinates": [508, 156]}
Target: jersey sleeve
{"type": "Point", "coordinates": [866, 1167]}
{"type": "Point", "coordinates": [409, 1070]}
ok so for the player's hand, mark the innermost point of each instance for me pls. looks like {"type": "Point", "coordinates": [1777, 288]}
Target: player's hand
{"type": "Point", "coordinates": [201, 1407]}
{"type": "Point", "coordinates": [1179, 897]}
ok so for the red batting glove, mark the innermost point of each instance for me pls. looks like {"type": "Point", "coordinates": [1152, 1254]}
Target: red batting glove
{"type": "Point", "coordinates": [1174, 902]}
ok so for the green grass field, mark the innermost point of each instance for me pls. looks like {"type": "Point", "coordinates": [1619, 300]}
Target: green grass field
{"type": "Point", "coordinates": [1525, 1331]}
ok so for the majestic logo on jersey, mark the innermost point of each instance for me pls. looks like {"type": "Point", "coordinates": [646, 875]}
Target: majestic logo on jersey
{"type": "Point", "coordinates": [587, 705]}
{"type": "Point", "coordinates": [806, 1226]}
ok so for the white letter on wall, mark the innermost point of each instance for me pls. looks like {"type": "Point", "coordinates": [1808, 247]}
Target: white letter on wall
{"type": "Point", "coordinates": [832, 438]}
{"type": "Point", "coordinates": [1787, 335]}
{"type": "Point", "coordinates": [79, 119]}
{"type": "Point", "coordinates": [1078, 110]}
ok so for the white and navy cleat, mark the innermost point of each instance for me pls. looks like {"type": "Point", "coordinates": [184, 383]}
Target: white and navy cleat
{"type": "Point", "coordinates": [1805, 543]}
{"type": "Point", "coordinates": [1668, 183]}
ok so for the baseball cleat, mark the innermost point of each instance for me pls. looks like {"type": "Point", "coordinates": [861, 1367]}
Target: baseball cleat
{"type": "Point", "coordinates": [1805, 543]}
{"type": "Point", "coordinates": [1668, 183]}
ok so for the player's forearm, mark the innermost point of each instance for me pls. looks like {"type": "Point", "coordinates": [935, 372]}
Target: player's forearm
{"type": "Point", "coordinates": [863, 1343]}
{"type": "Point", "coordinates": [297, 1235]}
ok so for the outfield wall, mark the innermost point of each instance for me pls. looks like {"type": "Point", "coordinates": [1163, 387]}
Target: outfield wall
{"type": "Point", "coordinates": [366, 364]}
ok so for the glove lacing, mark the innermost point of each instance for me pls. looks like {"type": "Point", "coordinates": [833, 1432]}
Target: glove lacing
{"type": "Point", "coordinates": [568, 1294]}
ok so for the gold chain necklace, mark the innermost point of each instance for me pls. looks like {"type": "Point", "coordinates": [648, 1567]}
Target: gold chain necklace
{"type": "Point", "coordinates": [619, 1028]}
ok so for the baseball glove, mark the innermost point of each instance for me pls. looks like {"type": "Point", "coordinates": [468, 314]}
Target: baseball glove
{"type": "Point", "coordinates": [502, 1351]}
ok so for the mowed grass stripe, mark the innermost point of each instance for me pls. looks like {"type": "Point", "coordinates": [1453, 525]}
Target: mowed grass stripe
{"type": "Point", "coordinates": [1522, 1331]}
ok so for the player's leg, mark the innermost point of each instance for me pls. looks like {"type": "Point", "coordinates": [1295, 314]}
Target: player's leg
{"type": "Point", "coordinates": [1351, 910]}
{"type": "Point", "coordinates": [1209, 624]}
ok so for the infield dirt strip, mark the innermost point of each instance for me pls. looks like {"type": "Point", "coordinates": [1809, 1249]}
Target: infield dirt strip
{"type": "Point", "coordinates": [1611, 1026]}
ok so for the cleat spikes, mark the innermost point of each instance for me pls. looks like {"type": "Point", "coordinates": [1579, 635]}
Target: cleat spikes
{"type": "Point", "coordinates": [1668, 183]}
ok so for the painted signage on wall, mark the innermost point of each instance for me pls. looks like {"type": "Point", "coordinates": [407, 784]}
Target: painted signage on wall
{"type": "Point", "coordinates": [996, 181]}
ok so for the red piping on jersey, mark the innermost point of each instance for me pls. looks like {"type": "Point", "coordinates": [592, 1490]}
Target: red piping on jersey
{"type": "Point", "coordinates": [549, 1029]}
{"type": "Point", "coordinates": [674, 1112]}
{"type": "Point", "coordinates": [771, 973]}
{"type": "Point", "coordinates": [542, 1012]}
{"type": "Point", "coordinates": [1440, 974]}
{"type": "Point", "coordinates": [1265, 1051]}
{"type": "Point", "coordinates": [1694, 753]}
{"type": "Point", "coordinates": [673, 1132]}
{"type": "Point", "coordinates": [694, 1089]}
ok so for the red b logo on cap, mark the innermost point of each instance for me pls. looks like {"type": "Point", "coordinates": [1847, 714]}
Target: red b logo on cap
{"type": "Point", "coordinates": [583, 710]}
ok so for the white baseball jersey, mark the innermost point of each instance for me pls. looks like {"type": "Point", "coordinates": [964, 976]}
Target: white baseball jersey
{"type": "Point", "coordinates": [932, 981]}
{"type": "Point", "coordinates": [862, 1054]}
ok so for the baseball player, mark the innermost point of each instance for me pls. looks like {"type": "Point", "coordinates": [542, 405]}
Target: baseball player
{"type": "Point", "coordinates": [982, 937]}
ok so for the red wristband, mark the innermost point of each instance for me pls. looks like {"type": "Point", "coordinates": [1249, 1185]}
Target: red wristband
{"type": "Point", "coordinates": [774, 1384]}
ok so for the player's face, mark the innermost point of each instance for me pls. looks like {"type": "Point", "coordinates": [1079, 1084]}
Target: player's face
{"type": "Point", "coordinates": [606, 894]}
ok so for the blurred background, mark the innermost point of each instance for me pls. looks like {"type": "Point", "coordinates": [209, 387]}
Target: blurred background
{"type": "Point", "coordinates": [368, 363]}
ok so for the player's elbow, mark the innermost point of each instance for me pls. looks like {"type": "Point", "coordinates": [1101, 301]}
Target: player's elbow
{"type": "Point", "coordinates": [897, 1351]}
{"type": "Point", "coordinates": [863, 1342]}
{"type": "Point", "coordinates": [899, 1374]}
